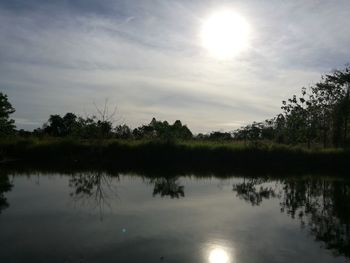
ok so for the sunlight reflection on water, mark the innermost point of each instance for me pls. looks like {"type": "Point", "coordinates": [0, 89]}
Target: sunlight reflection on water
{"type": "Point", "coordinates": [130, 218]}
{"type": "Point", "coordinates": [218, 253]}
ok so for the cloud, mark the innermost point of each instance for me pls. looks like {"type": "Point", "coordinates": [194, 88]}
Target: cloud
{"type": "Point", "coordinates": [59, 56]}
{"type": "Point", "coordinates": [26, 122]}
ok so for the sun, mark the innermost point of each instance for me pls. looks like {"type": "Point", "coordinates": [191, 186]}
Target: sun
{"type": "Point", "coordinates": [225, 34]}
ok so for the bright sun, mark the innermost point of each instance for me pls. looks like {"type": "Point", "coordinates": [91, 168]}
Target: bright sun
{"type": "Point", "coordinates": [225, 34]}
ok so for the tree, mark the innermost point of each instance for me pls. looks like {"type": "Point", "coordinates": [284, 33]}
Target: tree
{"type": "Point", "coordinates": [217, 135]}
{"type": "Point", "coordinates": [319, 115]}
{"type": "Point", "coordinates": [123, 132]}
{"type": "Point", "coordinates": [340, 80]}
{"type": "Point", "coordinates": [6, 124]}
{"type": "Point", "coordinates": [92, 128]}
{"type": "Point", "coordinates": [163, 130]}
{"type": "Point", "coordinates": [61, 126]}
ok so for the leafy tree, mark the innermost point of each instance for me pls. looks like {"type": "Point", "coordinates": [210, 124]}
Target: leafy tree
{"type": "Point", "coordinates": [163, 130]}
{"type": "Point", "coordinates": [180, 131]}
{"type": "Point", "coordinates": [217, 135]}
{"type": "Point", "coordinates": [340, 80]}
{"type": "Point", "coordinates": [201, 136]}
{"type": "Point", "coordinates": [123, 132]}
{"type": "Point", "coordinates": [54, 126]}
{"type": "Point", "coordinates": [6, 124]}
{"type": "Point", "coordinates": [71, 125]}
{"type": "Point", "coordinates": [279, 128]}
{"type": "Point", "coordinates": [319, 115]}
{"type": "Point", "coordinates": [91, 127]}
{"type": "Point", "coordinates": [61, 126]}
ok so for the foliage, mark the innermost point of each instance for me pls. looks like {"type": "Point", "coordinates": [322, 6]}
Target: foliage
{"type": "Point", "coordinates": [71, 125]}
{"type": "Point", "coordinates": [193, 154]}
{"type": "Point", "coordinates": [6, 124]}
{"type": "Point", "coordinates": [123, 132]}
{"type": "Point", "coordinates": [163, 130]}
{"type": "Point", "coordinates": [319, 116]}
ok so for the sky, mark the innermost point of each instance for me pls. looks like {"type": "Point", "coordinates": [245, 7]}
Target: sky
{"type": "Point", "coordinates": [146, 58]}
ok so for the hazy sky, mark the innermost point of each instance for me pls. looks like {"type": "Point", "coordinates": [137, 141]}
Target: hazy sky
{"type": "Point", "coordinates": [146, 57]}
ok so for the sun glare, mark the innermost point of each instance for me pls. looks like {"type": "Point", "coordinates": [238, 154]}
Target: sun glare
{"type": "Point", "coordinates": [225, 34]}
{"type": "Point", "coordinates": [218, 255]}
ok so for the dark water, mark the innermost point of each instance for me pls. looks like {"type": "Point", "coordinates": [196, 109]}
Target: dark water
{"type": "Point", "coordinates": [93, 217]}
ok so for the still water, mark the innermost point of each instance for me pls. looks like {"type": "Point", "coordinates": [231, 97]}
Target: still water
{"type": "Point", "coordinates": [96, 217]}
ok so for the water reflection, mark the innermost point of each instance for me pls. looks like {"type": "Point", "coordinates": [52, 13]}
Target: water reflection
{"type": "Point", "coordinates": [5, 186]}
{"type": "Point", "coordinates": [248, 190]}
{"type": "Point", "coordinates": [218, 255]}
{"type": "Point", "coordinates": [324, 206]}
{"type": "Point", "coordinates": [93, 188]}
{"type": "Point", "coordinates": [321, 205]}
{"type": "Point", "coordinates": [168, 187]}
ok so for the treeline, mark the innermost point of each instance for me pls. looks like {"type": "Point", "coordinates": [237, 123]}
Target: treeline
{"type": "Point", "coordinates": [94, 128]}
{"type": "Point", "coordinates": [318, 116]}
{"type": "Point", "coordinates": [71, 125]}
{"type": "Point", "coordinates": [100, 127]}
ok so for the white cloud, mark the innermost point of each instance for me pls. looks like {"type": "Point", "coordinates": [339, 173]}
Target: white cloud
{"type": "Point", "coordinates": [148, 61]}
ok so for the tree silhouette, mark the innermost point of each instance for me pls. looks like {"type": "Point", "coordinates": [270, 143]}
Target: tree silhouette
{"type": "Point", "coordinates": [61, 126]}
{"type": "Point", "coordinates": [93, 188]}
{"type": "Point", "coordinates": [248, 191]}
{"type": "Point", "coordinates": [163, 130]}
{"type": "Point", "coordinates": [322, 206]}
{"type": "Point", "coordinates": [6, 124]}
{"type": "Point", "coordinates": [319, 115]}
{"type": "Point", "coordinates": [5, 186]}
{"type": "Point", "coordinates": [168, 187]}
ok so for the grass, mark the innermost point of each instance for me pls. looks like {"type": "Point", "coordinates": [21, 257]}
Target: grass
{"type": "Point", "coordinates": [175, 156]}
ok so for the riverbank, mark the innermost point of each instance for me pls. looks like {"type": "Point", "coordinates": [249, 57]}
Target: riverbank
{"type": "Point", "coordinates": [176, 156]}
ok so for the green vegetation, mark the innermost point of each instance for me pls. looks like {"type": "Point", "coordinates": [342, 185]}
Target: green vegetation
{"type": "Point", "coordinates": [311, 132]}
{"type": "Point", "coordinates": [319, 116]}
{"type": "Point", "coordinates": [7, 126]}
{"type": "Point", "coordinates": [178, 156]}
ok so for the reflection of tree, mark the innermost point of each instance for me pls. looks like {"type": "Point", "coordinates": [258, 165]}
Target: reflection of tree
{"type": "Point", "coordinates": [5, 186]}
{"type": "Point", "coordinates": [321, 205]}
{"type": "Point", "coordinates": [168, 187]}
{"type": "Point", "coordinates": [248, 191]}
{"type": "Point", "coordinates": [93, 188]}
{"type": "Point", "coordinates": [325, 207]}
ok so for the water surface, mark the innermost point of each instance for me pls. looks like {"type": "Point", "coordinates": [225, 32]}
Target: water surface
{"type": "Point", "coordinates": [96, 217]}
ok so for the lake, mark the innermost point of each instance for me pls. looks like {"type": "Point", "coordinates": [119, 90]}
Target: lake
{"type": "Point", "coordinates": [98, 217]}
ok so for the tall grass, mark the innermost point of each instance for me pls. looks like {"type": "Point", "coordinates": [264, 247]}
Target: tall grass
{"type": "Point", "coordinates": [181, 155]}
